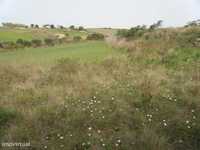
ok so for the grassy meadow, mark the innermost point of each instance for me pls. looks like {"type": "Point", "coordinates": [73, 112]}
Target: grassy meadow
{"type": "Point", "coordinates": [84, 51]}
{"type": "Point", "coordinates": [116, 94]}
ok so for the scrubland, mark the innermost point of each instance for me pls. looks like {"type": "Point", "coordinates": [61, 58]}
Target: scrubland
{"type": "Point", "coordinates": [147, 97]}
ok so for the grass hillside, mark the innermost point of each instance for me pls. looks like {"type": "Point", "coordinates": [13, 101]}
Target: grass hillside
{"type": "Point", "coordinates": [136, 91]}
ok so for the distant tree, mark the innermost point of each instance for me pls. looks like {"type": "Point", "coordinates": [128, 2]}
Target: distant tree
{"type": "Point", "coordinates": [14, 25]}
{"type": "Point", "coordinates": [80, 28]}
{"type": "Point", "coordinates": [72, 27]}
{"type": "Point", "coordinates": [32, 25]}
{"type": "Point", "coordinates": [156, 25]}
{"type": "Point", "coordinates": [61, 27]}
{"type": "Point", "coordinates": [52, 26]}
{"type": "Point", "coordinates": [37, 26]}
{"type": "Point", "coordinates": [46, 26]}
{"type": "Point", "coordinates": [193, 23]}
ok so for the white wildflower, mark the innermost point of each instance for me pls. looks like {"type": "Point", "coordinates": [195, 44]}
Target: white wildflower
{"type": "Point", "coordinates": [119, 141]}
{"type": "Point", "coordinates": [99, 131]}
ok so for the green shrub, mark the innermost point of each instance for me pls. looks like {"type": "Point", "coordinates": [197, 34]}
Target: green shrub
{"type": "Point", "coordinates": [1, 45]}
{"type": "Point", "coordinates": [80, 28]}
{"type": "Point", "coordinates": [72, 27]}
{"type": "Point", "coordinates": [134, 32]}
{"type": "Point", "coordinates": [36, 43]}
{"type": "Point", "coordinates": [77, 38]}
{"type": "Point", "coordinates": [189, 38]}
{"type": "Point", "coordinates": [95, 36]}
{"type": "Point", "coordinates": [27, 43]}
{"type": "Point", "coordinates": [67, 34]}
{"type": "Point", "coordinates": [49, 42]}
{"type": "Point", "coordinates": [9, 45]}
{"type": "Point", "coordinates": [6, 115]}
{"type": "Point", "coordinates": [20, 41]}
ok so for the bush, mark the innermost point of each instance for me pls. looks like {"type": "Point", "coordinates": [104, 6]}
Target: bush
{"type": "Point", "coordinates": [27, 43]}
{"type": "Point", "coordinates": [134, 32]}
{"type": "Point", "coordinates": [72, 27]}
{"type": "Point", "coordinates": [52, 26]}
{"type": "Point", "coordinates": [95, 36]}
{"type": "Point", "coordinates": [77, 38]}
{"type": "Point", "coordinates": [67, 34]}
{"type": "Point", "coordinates": [49, 42]}
{"type": "Point", "coordinates": [1, 45]}
{"type": "Point", "coordinates": [6, 115]}
{"type": "Point", "coordinates": [80, 28]}
{"type": "Point", "coordinates": [36, 43]}
{"type": "Point", "coordinates": [8, 45]}
{"type": "Point", "coordinates": [20, 42]}
{"type": "Point", "coordinates": [189, 38]}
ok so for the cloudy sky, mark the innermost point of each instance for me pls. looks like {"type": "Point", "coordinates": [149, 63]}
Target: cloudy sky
{"type": "Point", "coordinates": [100, 13]}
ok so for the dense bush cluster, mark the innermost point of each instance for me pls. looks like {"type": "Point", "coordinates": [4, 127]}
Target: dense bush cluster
{"type": "Point", "coordinates": [138, 31]}
{"type": "Point", "coordinates": [77, 38]}
{"type": "Point", "coordinates": [20, 43]}
{"type": "Point", "coordinates": [132, 33]}
{"type": "Point", "coordinates": [142, 38]}
{"type": "Point", "coordinates": [95, 36]}
{"type": "Point", "coordinates": [190, 37]}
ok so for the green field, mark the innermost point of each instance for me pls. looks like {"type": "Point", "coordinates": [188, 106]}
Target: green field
{"type": "Point", "coordinates": [7, 34]}
{"type": "Point", "coordinates": [86, 51]}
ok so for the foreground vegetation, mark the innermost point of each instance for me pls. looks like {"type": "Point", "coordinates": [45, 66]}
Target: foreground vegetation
{"type": "Point", "coordinates": [146, 98]}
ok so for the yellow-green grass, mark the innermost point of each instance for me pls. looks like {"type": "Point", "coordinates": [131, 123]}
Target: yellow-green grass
{"type": "Point", "coordinates": [84, 51]}
{"type": "Point", "coordinates": [9, 34]}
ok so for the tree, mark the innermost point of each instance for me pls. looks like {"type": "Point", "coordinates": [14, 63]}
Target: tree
{"type": "Point", "coordinates": [32, 25]}
{"type": "Point", "coordinates": [72, 27]}
{"type": "Point", "coordinates": [193, 23]}
{"type": "Point", "coordinates": [156, 25]}
{"type": "Point", "coordinates": [81, 28]}
{"type": "Point", "coordinates": [52, 26]}
{"type": "Point", "coordinates": [37, 26]}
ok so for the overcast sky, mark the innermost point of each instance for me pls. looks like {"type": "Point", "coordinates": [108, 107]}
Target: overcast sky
{"type": "Point", "coordinates": [100, 13]}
